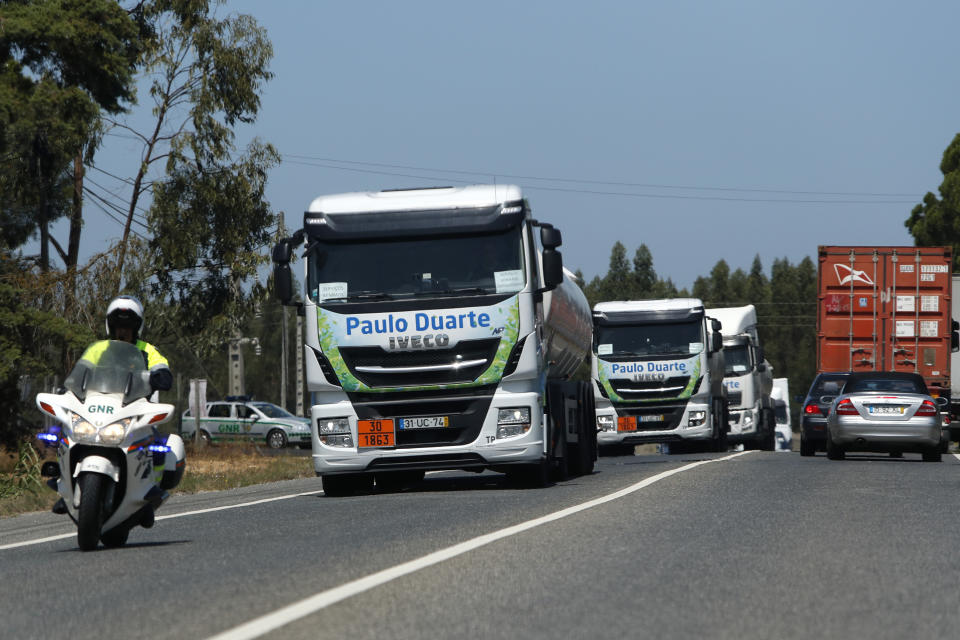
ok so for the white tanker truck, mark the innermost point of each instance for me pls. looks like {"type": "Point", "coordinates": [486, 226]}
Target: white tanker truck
{"type": "Point", "coordinates": [441, 334]}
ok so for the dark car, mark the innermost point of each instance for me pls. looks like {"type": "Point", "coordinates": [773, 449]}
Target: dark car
{"type": "Point", "coordinates": [813, 414]}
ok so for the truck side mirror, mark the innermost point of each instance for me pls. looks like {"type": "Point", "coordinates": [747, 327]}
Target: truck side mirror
{"type": "Point", "coordinates": [550, 237]}
{"type": "Point", "coordinates": [282, 278]}
{"type": "Point", "coordinates": [716, 341]}
{"type": "Point", "coordinates": [552, 269]}
{"type": "Point", "coordinates": [954, 335]}
{"type": "Point", "coordinates": [761, 367]}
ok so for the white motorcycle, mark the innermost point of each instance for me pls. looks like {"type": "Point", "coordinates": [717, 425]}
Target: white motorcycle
{"type": "Point", "coordinates": [113, 466]}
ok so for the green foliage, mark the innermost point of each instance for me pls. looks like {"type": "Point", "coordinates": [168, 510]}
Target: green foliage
{"type": "Point", "coordinates": [26, 474]}
{"type": "Point", "coordinates": [936, 221]}
{"type": "Point", "coordinates": [623, 283]}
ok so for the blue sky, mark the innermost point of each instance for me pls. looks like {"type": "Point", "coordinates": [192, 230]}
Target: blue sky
{"type": "Point", "coordinates": [706, 130]}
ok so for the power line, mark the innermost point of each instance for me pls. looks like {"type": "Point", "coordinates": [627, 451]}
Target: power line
{"type": "Point", "coordinates": [603, 182]}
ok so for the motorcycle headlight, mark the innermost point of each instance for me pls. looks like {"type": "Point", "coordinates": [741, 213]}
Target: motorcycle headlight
{"type": "Point", "coordinates": [114, 433]}
{"type": "Point", "coordinates": [81, 430]}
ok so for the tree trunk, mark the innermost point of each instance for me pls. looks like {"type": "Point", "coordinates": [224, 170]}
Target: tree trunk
{"type": "Point", "coordinates": [76, 224]}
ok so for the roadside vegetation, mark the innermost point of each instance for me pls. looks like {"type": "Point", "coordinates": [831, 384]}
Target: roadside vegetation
{"type": "Point", "coordinates": [230, 466]}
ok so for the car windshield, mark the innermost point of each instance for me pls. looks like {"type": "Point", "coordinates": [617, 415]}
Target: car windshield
{"type": "Point", "coordinates": [421, 267]}
{"type": "Point", "coordinates": [737, 359]}
{"type": "Point", "coordinates": [272, 410]}
{"type": "Point", "coordinates": [827, 385]}
{"type": "Point", "coordinates": [110, 366]}
{"type": "Point", "coordinates": [890, 385]}
{"type": "Point", "coordinates": [682, 338]}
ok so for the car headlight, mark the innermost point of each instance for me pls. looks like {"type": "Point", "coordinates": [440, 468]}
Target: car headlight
{"type": "Point", "coordinates": [81, 430]}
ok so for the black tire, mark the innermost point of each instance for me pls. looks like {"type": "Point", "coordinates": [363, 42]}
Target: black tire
{"type": "Point", "coordinates": [115, 538]}
{"type": "Point", "coordinates": [932, 455]}
{"type": "Point", "coordinates": [582, 456]}
{"type": "Point", "coordinates": [835, 451]}
{"type": "Point", "coordinates": [346, 485]}
{"type": "Point", "coordinates": [806, 447]}
{"type": "Point", "coordinates": [276, 439]}
{"type": "Point", "coordinates": [90, 514]}
{"type": "Point", "coordinates": [718, 441]}
{"type": "Point", "coordinates": [531, 476]}
{"type": "Point", "coordinates": [397, 480]}
{"type": "Point", "coordinates": [768, 439]}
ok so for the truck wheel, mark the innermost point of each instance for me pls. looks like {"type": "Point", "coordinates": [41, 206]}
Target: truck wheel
{"type": "Point", "coordinates": [932, 455]}
{"type": "Point", "coordinates": [719, 439]}
{"type": "Point", "coordinates": [768, 441]}
{"type": "Point", "coordinates": [531, 476]}
{"type": "Point", "coordinates": [806, 447]}
{"type": "Point", "coordinates": [582, 454]}
{"type": "Point", "coordinates": [346, 485]}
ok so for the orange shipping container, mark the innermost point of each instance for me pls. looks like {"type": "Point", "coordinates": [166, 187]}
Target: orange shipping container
{"type": "Point", "coordinates": [886, 309]}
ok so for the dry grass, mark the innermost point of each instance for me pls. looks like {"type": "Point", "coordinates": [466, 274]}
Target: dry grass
{"type": "Point", "coordinates": [208, 469]}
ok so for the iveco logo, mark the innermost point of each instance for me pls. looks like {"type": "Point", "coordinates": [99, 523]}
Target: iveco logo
{"type": "Point", "coordinates": [424, 341]}
{"type": "Point", "coordinates": [648, 377]}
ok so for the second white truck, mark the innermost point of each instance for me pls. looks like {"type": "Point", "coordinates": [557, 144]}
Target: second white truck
{"type": "Point", "coordinates": [658, 375]}
{"type": "Point", "coordinates": [748, 378]}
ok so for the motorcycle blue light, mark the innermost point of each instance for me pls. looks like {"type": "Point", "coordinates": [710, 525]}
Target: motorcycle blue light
{"type": "Point", "coordinates": [48, 437]}
{"type": "Point", "coordinates": [158, 448]}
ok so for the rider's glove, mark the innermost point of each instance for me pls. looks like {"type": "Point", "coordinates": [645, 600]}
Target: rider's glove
{"type": "Point", "coordinates": [161, 379]}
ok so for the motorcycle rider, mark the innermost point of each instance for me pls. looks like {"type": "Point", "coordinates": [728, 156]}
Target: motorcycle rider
{"type": "Point", "coordinates": [123, 322]}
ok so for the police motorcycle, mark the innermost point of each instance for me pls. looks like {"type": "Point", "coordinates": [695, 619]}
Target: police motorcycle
{"type": "Point", "coordinates": [113, 466]}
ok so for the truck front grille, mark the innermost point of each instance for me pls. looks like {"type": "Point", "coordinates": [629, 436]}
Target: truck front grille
{"type": "Point", "coordinates": [642, 389]}
{"type": "Point", "coordinates": [377, 367]}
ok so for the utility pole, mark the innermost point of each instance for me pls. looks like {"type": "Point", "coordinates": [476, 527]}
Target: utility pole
{"type": "Point", "coordinates": [283, 360]}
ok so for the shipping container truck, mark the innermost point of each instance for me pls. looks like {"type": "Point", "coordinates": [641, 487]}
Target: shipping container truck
{"type": "Point", "coordinates": [748, 378]}
{"type": "Point", "coordinates": [658, 375]}
{"type": "Point", "coordinates": [955, 367]}
{"type": "Point", "coordinates": [887, 309]}
{"type": "Point", "coordinates": [442, 333]}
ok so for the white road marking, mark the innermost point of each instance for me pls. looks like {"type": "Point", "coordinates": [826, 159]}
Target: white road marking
{"type": "Point", "coordinates": [28, 543]}
{"type": "Point", "coordinates": [957, 456]}
{"type": "Point", "coordinates": [281, 617]}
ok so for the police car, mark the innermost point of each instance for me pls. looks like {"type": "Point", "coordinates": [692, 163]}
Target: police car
{"type": "Point", "coordinates": [249, 420]}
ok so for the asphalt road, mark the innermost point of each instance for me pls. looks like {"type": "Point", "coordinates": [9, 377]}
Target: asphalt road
{"type": "Point", "coordinates": [756, 545]}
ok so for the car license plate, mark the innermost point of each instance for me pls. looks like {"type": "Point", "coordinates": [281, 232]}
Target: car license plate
{"type": "Point", "coordinates": [658, 417]}
{"type": "Point", "coordinates": [626, 423]}
{"type": "Point", "coordinates": [886, 410]}
{"type": "Point", "coordinates": [429, 422]}
{"type": "Point", "coordinates": [375, 433]}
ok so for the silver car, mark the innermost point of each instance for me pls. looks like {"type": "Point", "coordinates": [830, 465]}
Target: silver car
{"type": "Point", "coordinates": [888, 412]}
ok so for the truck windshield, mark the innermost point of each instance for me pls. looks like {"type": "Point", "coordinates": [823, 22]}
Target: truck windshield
{"type": "Point", "coordinates": [650, 339]}
{"type": "Point", "coordinates": [385, 269]}
{"type": "Point", "coordinates": [736, 359]}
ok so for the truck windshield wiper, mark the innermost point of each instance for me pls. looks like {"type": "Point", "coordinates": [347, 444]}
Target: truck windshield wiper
{"type": "Point", "coordinates": [448, 291]}
{"type": "Point", "coordinates": [369, 295]}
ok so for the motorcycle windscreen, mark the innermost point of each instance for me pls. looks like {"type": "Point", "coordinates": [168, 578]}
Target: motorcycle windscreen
{"type": "Point", "coordinates": [110, 366]}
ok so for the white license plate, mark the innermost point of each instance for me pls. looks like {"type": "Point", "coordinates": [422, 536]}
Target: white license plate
{"type": "Point", "coordinates": [658, 417]}
{"type": "Point", "coordinates": [887, 411]}
{"type": "Point", "coordinates": [430, 422]}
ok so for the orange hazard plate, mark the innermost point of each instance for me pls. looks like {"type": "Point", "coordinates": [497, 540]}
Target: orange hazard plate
{"type": "Point", "coordinates": [626, 423]}
{"type": "Point", "coordinates": [375, 433]}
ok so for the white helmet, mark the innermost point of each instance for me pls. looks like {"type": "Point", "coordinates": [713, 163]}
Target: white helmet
{"type": "Point", "coordinates": [124, 311]}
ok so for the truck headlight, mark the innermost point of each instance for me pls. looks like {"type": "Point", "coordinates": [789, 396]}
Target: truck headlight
{"type": "Point", "coordinates": [335, 432]}
{"type": "Point", "coordinates": [747, 419]}
{"type": "Point", "coordinates": [696, 418]}
{"type": "Point", "coordinates": [512, 421]}
{"type": "Point", "coordinates": [606, 423]}
{"type": "Point", "coordinates": [81, 430]}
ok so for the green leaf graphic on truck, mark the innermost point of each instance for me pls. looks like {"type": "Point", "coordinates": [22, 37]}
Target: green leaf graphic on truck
{"type": "Point", "coordinates": [400, 330]}
{"type": "Point", "coordinates": [613, 371]}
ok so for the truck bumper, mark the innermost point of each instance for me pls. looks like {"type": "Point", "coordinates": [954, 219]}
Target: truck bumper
{"type": "Point", "coordinates": [483, 451]}
{"type": "Point", "coordinates": [743, 424]}
{"type": "Point", "coordinates": [650, 432]}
